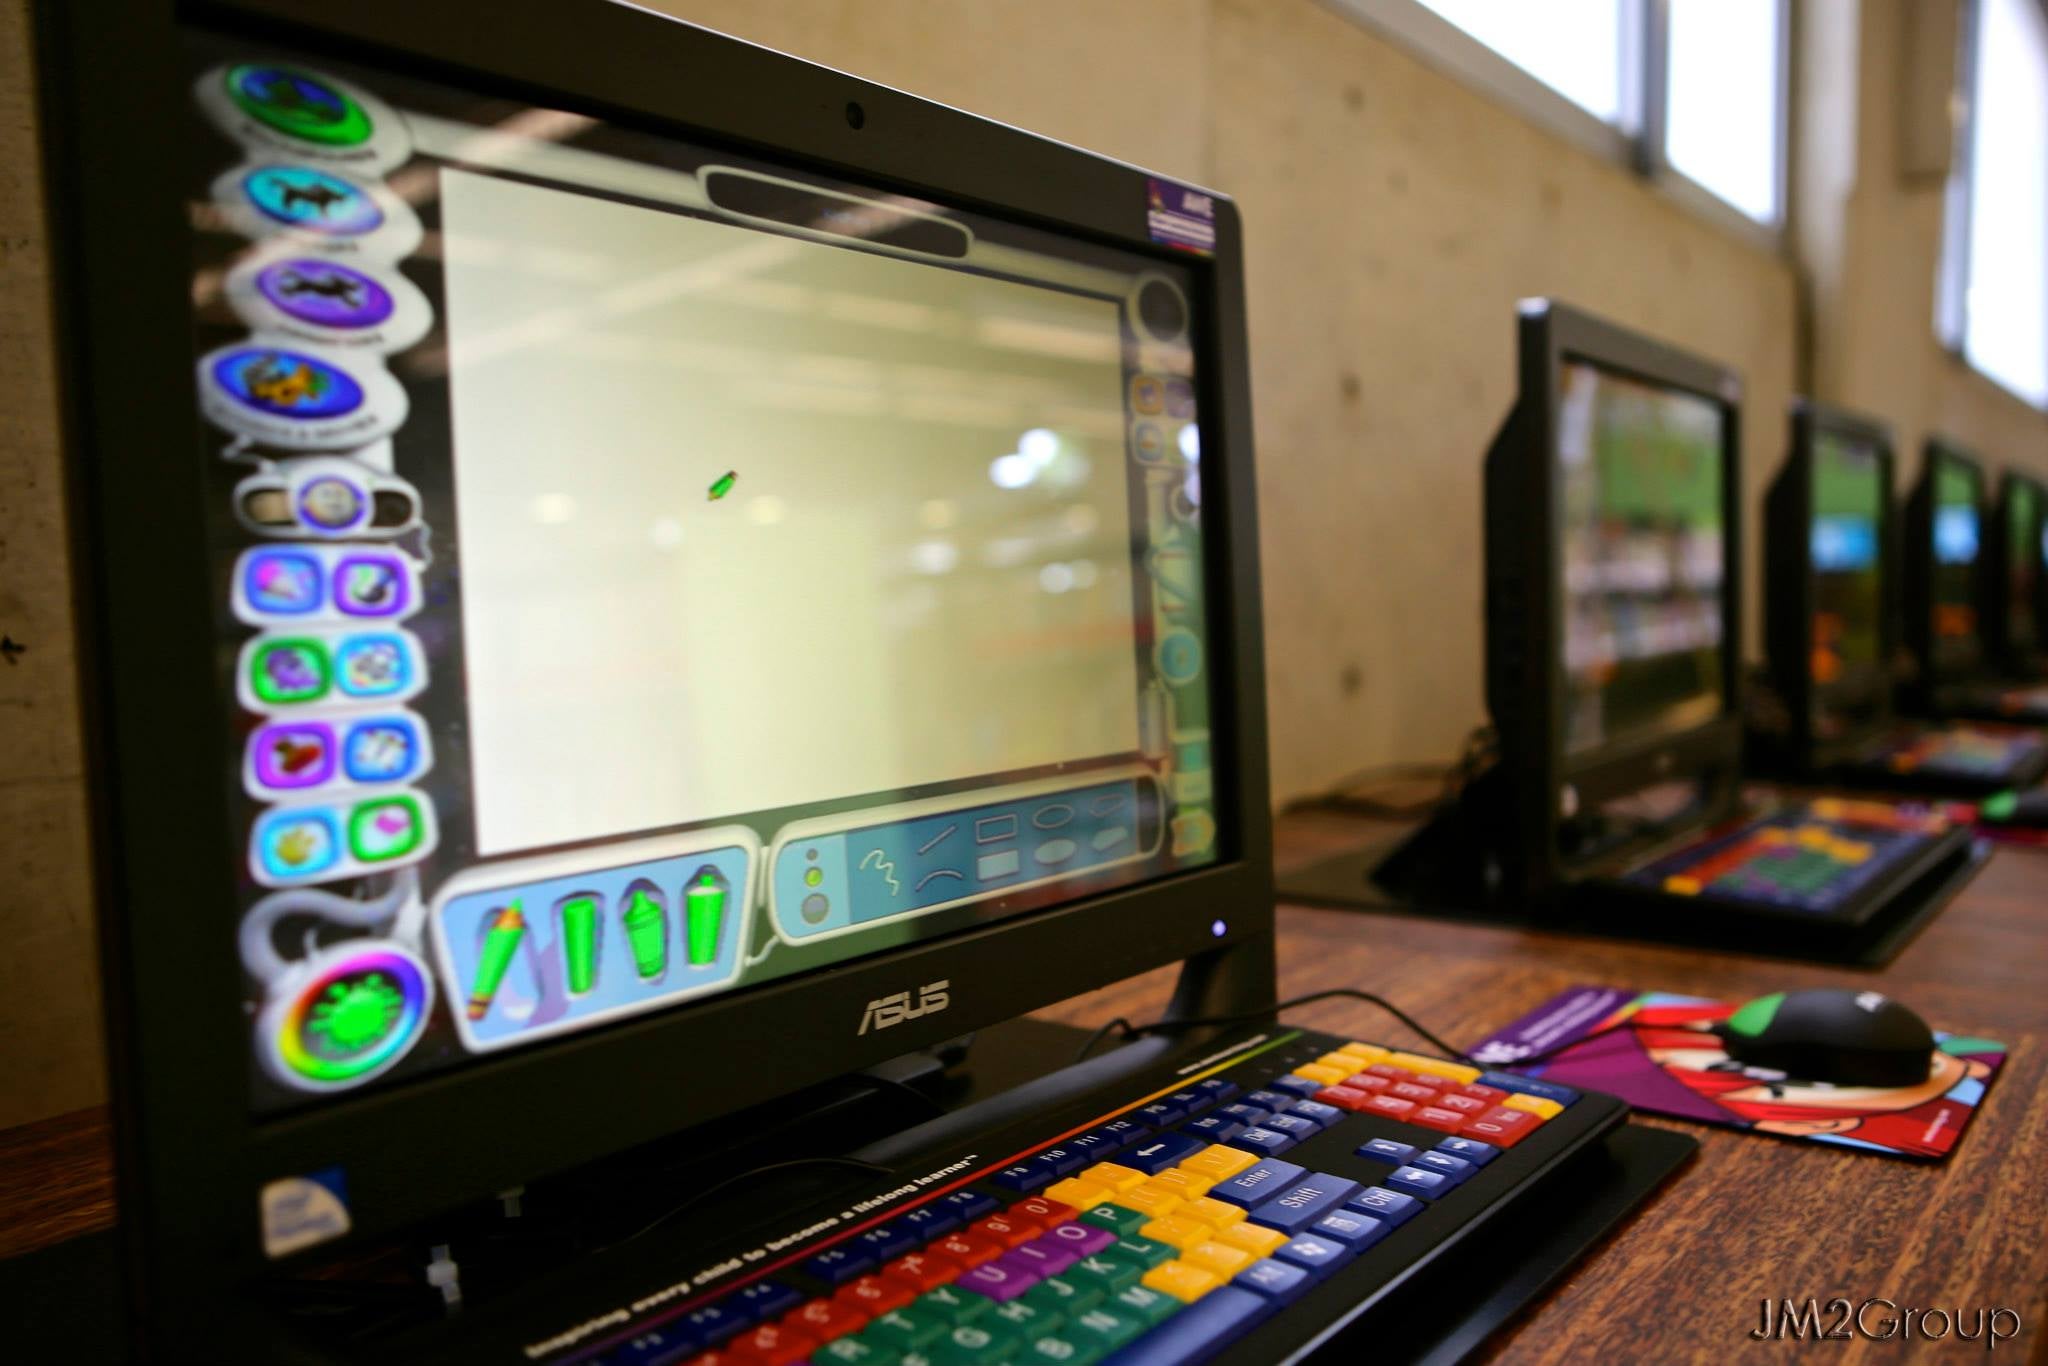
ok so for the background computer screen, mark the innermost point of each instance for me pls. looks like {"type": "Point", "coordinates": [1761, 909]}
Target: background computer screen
{"type": "Point", "coordinates": [1641, 493]}
{"type": "Point", "coordinates": [1846, 660]}
{"type": "Point", "coordinates": [2023, 553]}
{"type": "Point", "coordinates": [646, 571]}
{"type": "Point", "coordinates": [1955, 529]}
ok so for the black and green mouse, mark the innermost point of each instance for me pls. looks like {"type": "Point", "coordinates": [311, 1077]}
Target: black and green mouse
{"type": "Point", "coordinates": [1833, 1035]}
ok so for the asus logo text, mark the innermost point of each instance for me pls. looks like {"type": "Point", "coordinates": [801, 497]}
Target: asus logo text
{"type": "Point", "coordinates": [886, 1012]}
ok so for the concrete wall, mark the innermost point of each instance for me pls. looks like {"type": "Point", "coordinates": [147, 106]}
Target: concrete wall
{"type": "Point", "coordinates": [1394, 218]}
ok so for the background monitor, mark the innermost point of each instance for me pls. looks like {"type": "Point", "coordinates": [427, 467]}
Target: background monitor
{"type": "Point", "coordinates": [2016, 581]}
{"type": "Point", "coordinates": [1944, 535]}
{"type": "Point", "coordinates": [1612, 585]}
{"type": "Point", "coordinates": [647, 575]}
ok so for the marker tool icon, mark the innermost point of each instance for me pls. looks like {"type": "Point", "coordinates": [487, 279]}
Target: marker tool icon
{"type": "Point", "coordinates": [646, 921]}
{"type": "Point", "coordinates": [501, 941]}
{"type": "Point", "coordinates": [579, 942]}
{"type": "Point", "coordinates": [704, 916]}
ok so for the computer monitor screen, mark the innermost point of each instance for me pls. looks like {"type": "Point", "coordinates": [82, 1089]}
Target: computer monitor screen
{"type": "Point", "coordinates": [1956, 532]}
{"type": "Point", "coordinates": [1641, 494]}
{"type": "Point", "coordinates": [1846, 559]}
{"type": "Point", "coordinates": [647, 571]}
{"type": "Point", "coordinates": [2023, 553]}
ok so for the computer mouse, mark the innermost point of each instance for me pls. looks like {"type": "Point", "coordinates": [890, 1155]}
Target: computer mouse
{"type": "Point", "coordinates": [2015, 808]}
{"type": "Point", "coordinates": [1833, 1035]}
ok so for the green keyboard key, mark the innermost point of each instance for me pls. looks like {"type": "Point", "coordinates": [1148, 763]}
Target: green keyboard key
{"type": "Point", "coordinates": [1154, 1306]}
{"type": "Point", "coordinates": [854, 1352]}
{"type": "Point", "coordinates": [1118, 1220]}
{"type": "Point", "coordinates": [1146, 1253]}
{"type": "Point", "coordinates": [1062, 1296]}
{"type": "Point", "coordinates": [905, 1329]}
{"type": "Point", "coordinates": [974, 1344]}
{"type": "Point", "coordinates": [1105, 1329]}
{"type": "Point", "coordinates": [1105, 1273]}
{"type": "Point", "coordinates": [1057, 1351]}
{"type": "Point", "coordinates": [1026, 1320]}
{"type": "Point", "coordinates": [955, 1307]}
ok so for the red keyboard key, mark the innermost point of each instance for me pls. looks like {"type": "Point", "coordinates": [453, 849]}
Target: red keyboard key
{"type": "Point", "coordinates": [966, 1249]}
{"type": "Point", "coordinates": [1436, 1117]}
{"type": "Point", "coordinates": [772, 1345]}
{"type": "Point", "coordinates": [1412, 1090]}
{"type": "Point", "coordinates": [1366, 1081]}
{"type": "Point", "coordinates": [923, 1270]}
{"type": "Point", "coordinates": [873, 1295]}
{"type": "Point", "coordinates": [1464, 1104]}
{"type": "Point", "coordinates": [1390, 1072]}
{"type": "Point", "coordinates": [1493, 1095]}
{"type": "Point", "coordinates": [1007, 1229]}
{"type": "Point", "coordinates": [1043, 1212]}
{"type": "Point", "coordinates": [1502, 1127]}
{"type": "Point", "coordinates": [1390, 1105]}
{"type": "Point", "coordinates": [826, 1320]}
{"type": "Point", "coordinates": [1343, 1097]}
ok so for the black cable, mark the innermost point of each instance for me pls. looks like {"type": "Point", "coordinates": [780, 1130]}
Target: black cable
{"type": "Point", "coordinates": [1203, 1022]}
{"type": "Point", "coordinates": [716, 1187]}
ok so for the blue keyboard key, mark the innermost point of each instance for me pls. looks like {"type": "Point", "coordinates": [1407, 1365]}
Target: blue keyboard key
{"type": "Point", "coordinates": [1024, 1178]}
{"type": "Point", "coordinates": [1471, 1149]}
{"type": "Point", "coordinates": [1263, 1141]}
{"type": "Point", "coordinates": [886, 1243]}
{"type": "Point", "coordinates": [1299, 1205]}
{"type": "Point", "coordinates": [714, 1323]}
{"type": "Point", "coordinates": [1457, 1168]}
{"type": "Point", "coordinates": [1093, 1147]}
{"type": "Point", "coordinates": [1272, 1102]}
{"type": "Point", "coordinates": [1160, 1114]}
{"type": "Point", "coordinates": [1216, 1128]}
{"type": "Point", "coordinates": [838, 1265]}
{"type": "Point", "coordinates": [1316, 1255]}
{"type": "Point", "coordinates": [768, 1300]}
{"type": "Point", "coordinates": [1124, 1132]}
{"type": "Point", "coordinates": [1217, 1089]}
{"type": "Point", "coordinates": [1347, 1226]}
{"type": "Point", "coordinates": [1163, 1151]}
{"type": "Point", "coordinates": [1529, 1086]}
{"type": "Point", "coordinates": [657, 1347]}
{"type": "Point", "coordinates": [1061, 1160]}
{"type": "Point", "coordinates": [1389, 1207]}
{"type": "Point", "coordinates": [1278, 1281]}
{"type": "Point", "coordinates": [1416, 1181]}
{"type": "Point", "coordinates": [1301, 1088]}
{"type": "Point", "coordinates": [1386, 1150]}
{"type": "Point", "coordinates": [1246, 1115]}
{"type": "Point", "coordinates": [1199, 1331]}
{"type": "Point", "coordinates": [1323, 1115]}
{"type": "Point", "coordinates": [1294, 1126]}
{"type": "Point", "coordinates": [1194, 1102]}
{"type": "Point", "coordinates": [968, 1205]}
{"type": "Point", "coordinates": [927, 1222]}
{"type": "Point", "coordinates": [1256, 1185]}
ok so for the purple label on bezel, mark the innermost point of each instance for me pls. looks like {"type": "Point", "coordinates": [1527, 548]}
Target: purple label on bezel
{"type": "Point", "coordinates": [1180, 216]}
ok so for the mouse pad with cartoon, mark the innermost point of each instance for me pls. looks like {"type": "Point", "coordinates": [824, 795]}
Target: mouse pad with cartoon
{"type": "Point", "coordinates": [1662, 1053]}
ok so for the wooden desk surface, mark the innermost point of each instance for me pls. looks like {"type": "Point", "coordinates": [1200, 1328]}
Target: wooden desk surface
{"type": "Point", "coordinates": [1750, 1219]}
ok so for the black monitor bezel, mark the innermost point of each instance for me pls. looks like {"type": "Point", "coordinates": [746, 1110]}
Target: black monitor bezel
{"type": "Point", "coordinates": [1932, 689]}
{"type": "Point", "coordinates": [2011, 656]}
{"type": "Point", "coordinates": [192, 1155]}
{"type": "Point", "coordinates": [1789, 575]}
{"type": "Point", "coordinates": [1524, 530]}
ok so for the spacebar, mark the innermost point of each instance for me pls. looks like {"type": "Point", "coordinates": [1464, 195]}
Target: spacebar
{"type": "Point", "coordinates": [1197, 1332]}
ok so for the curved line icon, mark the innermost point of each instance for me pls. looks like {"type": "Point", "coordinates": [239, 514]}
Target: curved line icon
{"type": "Point", "coordinates": [953, 873]}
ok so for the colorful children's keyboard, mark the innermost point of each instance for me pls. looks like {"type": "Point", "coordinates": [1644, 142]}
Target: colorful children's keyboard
{"type": "Point", "coordinates": [1306, 1174]}
{"type": "Point", "coordinates": [1815, 857]}
{"type": "Point", "coordinates": [1991, 753]}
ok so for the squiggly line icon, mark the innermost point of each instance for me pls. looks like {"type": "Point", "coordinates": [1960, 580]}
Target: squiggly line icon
{"type": "Point", "coordinates": [873, 859]}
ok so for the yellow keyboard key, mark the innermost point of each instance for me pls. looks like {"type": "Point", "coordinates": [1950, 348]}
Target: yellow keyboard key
{"type": "Point", "coordinates": [1344, 1061]}
{"type": "Point", "coordinates": [1219, 1162]}
{"type": "Point", "coordinates": [1078, 1193]}
{"type": "Point", "coordinates": [1366, 1053]}
{"type": "Point", "coordinates": [1176, 1231]}
{"type": "Point", "coordinates": [1191, 1185]}
{"type": "Point", "coordinates": [1150, 1198]}
{"type": "Point", "coordinates": [1214, 1213]}
{"type": "Point", "coordinates": [1318, 1072]}
{"type": "Point", "coordinates": [1182, 1281]}
{"type": "Point", "coordinates": [1435, 1067]}
{"type": "Point", "coordinates": [1221, 1258]}
{"type": "Point", "coordinates": [1539, 1106]}
{"type": "Point", "coordinates": [1112, 1177]}
{"type": "Point", "coordinates": [1256, 1239]}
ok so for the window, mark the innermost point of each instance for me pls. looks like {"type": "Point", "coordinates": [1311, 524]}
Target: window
{"type": "Point", "coordinates": [1692, 92]}
{"type": "Point", "coordinates": [1994, 305]}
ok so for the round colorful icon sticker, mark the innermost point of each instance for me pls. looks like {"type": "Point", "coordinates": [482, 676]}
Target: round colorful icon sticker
{"type": "Point", "coordinates": [346, 1015]}
{"type": "Point", "coordinates": [329, 302]}
{"type": "Point", "coordinates": [326, 496]}
{"type": "Point", "coordinates": [286, 394]}
{"type": "Point", "coordinates": [376, 665]}
{"type": "Point", "coordinates": [285, 671]}
{"type": "Point", "coordinates": [278, 107]}
{"type": "Point", "coordinates": [329, 212]}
